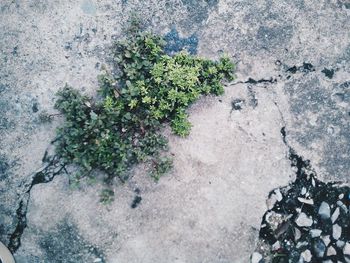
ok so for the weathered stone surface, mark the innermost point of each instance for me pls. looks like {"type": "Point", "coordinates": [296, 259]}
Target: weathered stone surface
{"type": "Point", "coordinates": [209, 208]}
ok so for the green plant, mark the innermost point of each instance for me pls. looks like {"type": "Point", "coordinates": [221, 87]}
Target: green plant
{"type": "Point", "coordinates": [107, 196]}
{"type": "Point", "coordinates": [160, 166]}
{"type": "Point", "coordinates": [122, 127]}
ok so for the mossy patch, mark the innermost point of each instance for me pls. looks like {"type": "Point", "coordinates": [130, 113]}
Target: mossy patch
{"type": "Point", "coordinates": [122, 126]}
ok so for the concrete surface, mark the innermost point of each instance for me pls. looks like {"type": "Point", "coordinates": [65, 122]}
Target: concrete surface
{"type": "Point", "coordinates": [209, 208]}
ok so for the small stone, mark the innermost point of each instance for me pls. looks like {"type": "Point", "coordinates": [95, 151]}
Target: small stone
{"type": "Point", "coordinates": [303, 191]}
{"type": "Point", "coordinates": [297, 234]}
{"type": "Point", "coordinates": [327, 261]}
{"type": "Point", "coordinates": [301, 244]}
{"type": "Point", "coordinates": [340, 243]}
{"type": "Point", "coordinates": [319, 248]}
{"type": "Point", "coordinates": [326, 240]}
{"type": "Point", "coordinates": [346, 249]}
{"type": "Point", "coordinates": [336, 231]}
{"type": "Point", "coordinates": [276, 246]}
{"type": "Point", "coordinates": [313, 182]}
{"type": "Point", "coordinates": [331, 251]}
{"type": "Point", "coordinates": [335, 214]}
{"type": "Point", "coordinates": [97, 260]}
{"type": "Point", "coordinates": [324, 211]}
{"type": "Point", "coordinates": [278, 195]}
{"type": "Point", "coordinates": [306, 255]}
{"type": "Point", "coordinates": [315, 232]}
{"type": "Point", "coordinates": [256, 257]}
{"type": "Point", "coordinates": [342, 206]}
{"type": "Point", "coordinates": [341, 196]}
{"type": "Point", "coordinates": [303, 220]}
{"type": "Point", "coordinates": [306, 201]}
{"type": "Point", "coordinates": [271, 201]}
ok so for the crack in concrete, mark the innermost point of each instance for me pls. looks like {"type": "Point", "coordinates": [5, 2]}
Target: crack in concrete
{"type": "Point", "coordinates": [44, 175]}
{"type": "Point", "coordinates": [250, 80]}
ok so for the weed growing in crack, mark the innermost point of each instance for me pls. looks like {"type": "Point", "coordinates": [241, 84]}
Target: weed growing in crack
{"type": "Point", "coordinates": [122, 127]}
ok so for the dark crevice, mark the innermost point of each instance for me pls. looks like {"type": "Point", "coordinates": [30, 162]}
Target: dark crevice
{"type": "Point", "coordinates": [283, 133]}
{"type": "Point", "coordinates": [44, 175]}
{"type": "Point", "coordinates": [283, 237]}
{"type": "Point", "coordinates": [305, 68]}
{"type": "Point", "coordinates": [254, 81]}
{"type": "Point", "coordinates": [329, 73]}
{"type": "Point", "coordinates": [137, 200]}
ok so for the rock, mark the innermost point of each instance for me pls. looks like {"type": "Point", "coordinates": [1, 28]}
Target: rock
{"type": "Point", "coordinates": [313, 182]}
{"type": "Point", "coordinates": [301, 244]}
{"type": "Point", "coordinates": [297, 234]}
{"type": "Point", "coordinates": [336, 231]}
{"type": "Point", "coordinates": [306, 201]}
{"type": "Point", "coordinates": [340, 243]}
{"type": "Point", "coordinates": [278, 194]}
{"type": "Point", "coordinates": [271, 202]}
{"type": "Point", "coordinates": [335, 214]}
{"type": "Point", "coordinates": [319, 248]}
{"type": "Point", "coordinates": [256, 257]}
{"type": "Point", "coordinates": [331, 251]}
{"type": "Point", "coordinates": [341, 196]}
{"type": "Point", "coordinates": [276, 246]}
{"type": "Point", "coordinates": [342, 206]}
{"type": "Point", "coordinates": [306, 255]}
{"type": "Point", "coordinates": [327, 261]}
{"type": "Point", "coordinates": [324, 211]}
{"type": "Point", "coordinates": [315, 232]}
{"type": "Point", "coordinates": [303, 191]}
{"type": "Point", "coordinates": [303, 220]}
{"type": "Point", "coordinates": [326, 240]}
{"type": "Point", "coordinates": [346, 249]}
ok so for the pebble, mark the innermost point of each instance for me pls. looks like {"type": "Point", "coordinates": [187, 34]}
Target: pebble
{"type": "Point", "coordinates": [297, 234]}
{"type": "Point", "coordinates": [256, 257]}
{"type": "Point", "coordinates": [340, 243]}
{"type": "Point", "coordinates": [306, 255]}
{"type": "Point", "coordinates": [279, 196]}
{"type": "Point", "coordinates": [342, 206]}
{"type": "Point", "coordinates": [306, 201]}
{"type": "Point", "coordinates": [303, 191]}
{"type": "Point", "coordinates": [346, 249]}
{"type": "Point", "coordinates": [276, 246]}
{"type": "Point", "coordinates": [336, 231]}
{"type": "Point", "coordinates": [335, 214]}
{"type": "Point", "coordinates": [319, 248]}
{"type": "Point", "coordinates": [324, 211]}
{"type": "Point", "coordinates": [331, 251]}
{"type": "Point", "coordinates": [326, 240]}
{"type": "Point", "coordinates": [313, 182]}
{"type": "Point", "coordinates": [315, 232]}
{"type": "Point", "coordinates": [271, 202]}
{"type": "Point", "coordinates": [302, 244]}
{"type": "Point", "coordinates": [303, 220]}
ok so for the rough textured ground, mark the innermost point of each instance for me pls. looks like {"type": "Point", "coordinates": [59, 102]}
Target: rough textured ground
{"type": "Point", "coordinates": [293, 71]}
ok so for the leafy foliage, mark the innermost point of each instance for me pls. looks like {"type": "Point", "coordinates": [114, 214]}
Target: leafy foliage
{"type": "Point", "coordinates": [149, 89]}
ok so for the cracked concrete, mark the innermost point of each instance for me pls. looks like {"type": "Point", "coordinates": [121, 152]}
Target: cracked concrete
{"type": "Point", "coordinates": [210, 207]}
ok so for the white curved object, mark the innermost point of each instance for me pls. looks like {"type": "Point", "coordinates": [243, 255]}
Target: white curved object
{"type": "Point", "coordinates": [5, 254]}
